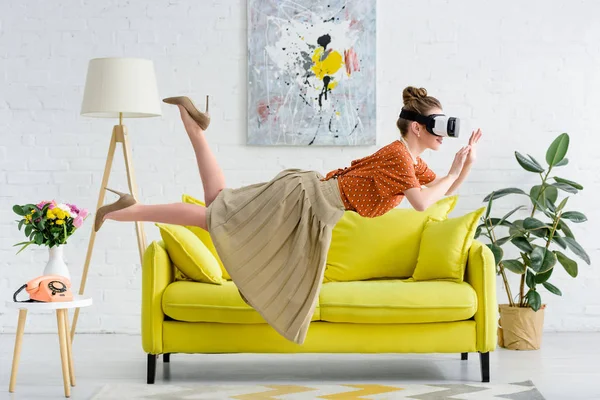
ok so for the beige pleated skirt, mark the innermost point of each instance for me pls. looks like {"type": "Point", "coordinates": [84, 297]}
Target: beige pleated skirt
{"type": "Point", "coordinates": [273, 239]}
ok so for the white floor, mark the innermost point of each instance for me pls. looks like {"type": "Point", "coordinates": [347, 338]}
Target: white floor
{"type": "Point", "coordinates": [567, 367]}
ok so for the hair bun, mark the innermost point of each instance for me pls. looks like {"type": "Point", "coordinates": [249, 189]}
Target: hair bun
{"type": "Point", "coordinates": [412, 93]}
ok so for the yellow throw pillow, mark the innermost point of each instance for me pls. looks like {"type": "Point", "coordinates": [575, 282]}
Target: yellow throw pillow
{"type": "Point", "coordinates": [189, 254]}
{"type": "Point", "coordinates": [382, 247]}
{"type": "Point", "coordinates": [445, 247]}
{"type": "Point", "coordinates": [203, 235]}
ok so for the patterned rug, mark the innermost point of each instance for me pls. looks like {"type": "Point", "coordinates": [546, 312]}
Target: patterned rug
{"type": "Point", "coordinates": [479, 391]}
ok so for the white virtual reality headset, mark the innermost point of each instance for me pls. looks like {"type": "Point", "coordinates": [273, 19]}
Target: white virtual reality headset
{"type": "Point", "coordinates": [436, 124]}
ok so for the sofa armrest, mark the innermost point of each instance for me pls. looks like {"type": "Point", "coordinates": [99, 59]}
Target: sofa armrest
{"type": "Point", "coordinates": [157, 274]}
{"type": "Point", "coordinates": [481, 275]}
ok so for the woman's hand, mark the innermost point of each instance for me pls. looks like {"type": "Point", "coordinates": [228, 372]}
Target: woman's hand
{"type": "Point", "coordinates": [475, 136]}
{"type": "Point", "coordinates": [459, 160]}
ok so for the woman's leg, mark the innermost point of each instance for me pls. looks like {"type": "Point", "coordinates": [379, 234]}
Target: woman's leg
{"type": "Point", "coordinates": [211, 174]}
{"type": "Point", "coordinates": [175, 213]}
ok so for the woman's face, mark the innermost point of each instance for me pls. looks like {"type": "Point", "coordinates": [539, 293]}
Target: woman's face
{"type": "Point", "coordinates": [429, 140]}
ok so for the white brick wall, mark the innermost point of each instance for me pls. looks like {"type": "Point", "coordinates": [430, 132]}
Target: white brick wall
{"type": "Point", "coordinates": [523, 71]}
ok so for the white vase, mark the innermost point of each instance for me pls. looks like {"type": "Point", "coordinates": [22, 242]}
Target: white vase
{"type": "Point", "coordinates": [56, 265]}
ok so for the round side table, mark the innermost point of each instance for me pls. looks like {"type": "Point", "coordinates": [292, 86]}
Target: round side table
{"type": "Point", "coordinates": [64, 338]}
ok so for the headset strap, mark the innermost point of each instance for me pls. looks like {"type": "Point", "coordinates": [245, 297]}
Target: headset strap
{"type": "Point", "coordinates": [413, 116]}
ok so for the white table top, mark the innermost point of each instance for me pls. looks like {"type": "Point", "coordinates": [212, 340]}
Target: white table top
{"type": "Point", "coordinates": [78, 301]}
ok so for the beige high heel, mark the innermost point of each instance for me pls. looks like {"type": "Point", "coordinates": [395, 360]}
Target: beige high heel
{"type": "Point", "coordinates": [125, 200]}
{"type": "Point", "coordinates": [201, 118]}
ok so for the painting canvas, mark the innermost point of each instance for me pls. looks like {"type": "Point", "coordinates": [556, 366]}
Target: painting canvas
{"type": "Point", "coordinates": [311, 72]}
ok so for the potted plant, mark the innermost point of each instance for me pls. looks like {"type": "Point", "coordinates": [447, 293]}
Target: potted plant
{"type": "Point", "coordinates": [541, 239]}
{"type": "Point", "coordinates": [50, 224]}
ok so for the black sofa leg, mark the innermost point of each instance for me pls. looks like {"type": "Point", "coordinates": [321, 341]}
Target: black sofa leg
{"type": "Point", "coordinates": [151, 368]}
{"type": "Point", "coordinates": [485, 366]}
{"type": "Point", "coordinates": [464, 356]}
{"type": "Point", "coordinates": [167, 357]}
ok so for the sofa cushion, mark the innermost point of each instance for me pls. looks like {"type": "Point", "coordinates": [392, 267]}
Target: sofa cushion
{"type": "Point", "coordinates": [203, 235]}
{"type": "Point", "coordinates": [383, 247]}
{"type": "Point", "coordinates": [397, 302]}
{"type": "Point", "coordinates": [445, 247]}
{"type": "Point", "coordinates": [205, 302]}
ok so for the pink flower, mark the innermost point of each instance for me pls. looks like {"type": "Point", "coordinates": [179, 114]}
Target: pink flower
{"type": "Point", "coordinates": [77, 222]}
{"type": "Point", "coordinates": [42, 204]}
{"type": "Point", "coordinates": [83, 213]}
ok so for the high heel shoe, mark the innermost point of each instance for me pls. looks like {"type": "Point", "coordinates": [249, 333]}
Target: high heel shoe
{"type": "Point", "coordinates": [125, 200]}
{"type": "Point", "coordinates": [201, 118]}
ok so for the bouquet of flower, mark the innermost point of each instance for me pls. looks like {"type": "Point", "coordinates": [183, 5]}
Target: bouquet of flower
{"type": "Point", "coordinates": [49, 223]}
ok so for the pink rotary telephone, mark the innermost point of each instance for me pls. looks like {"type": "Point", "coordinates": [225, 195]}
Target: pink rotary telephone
{"type": "Point", "coordinates": [47, 288]}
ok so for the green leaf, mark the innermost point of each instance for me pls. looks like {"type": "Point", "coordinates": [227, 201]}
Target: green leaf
{"type": "Point", "coordinates": [478, 230]}
{"type": "Point", "coordinates": [559, 240]}
{"type": "Point", "coordinates": [39, 238]}
{"type": "Point", "coordinates": [489, 207]}
{"type": "Point", "coordinates": [536, 227]}
{"type": "Point", "coordinates": [552, 289]}
{"type": "Point", "coordinates": [557, 150]}
{"type": "Point", "coordinates": [574, 216]}
{"type": "Point", "coordinates": [562, 225]}
{"type": "Point", "coordinates": [534, 299]}
{"type": "Point", "coordinates": [24, 247]}
{"type": "Point", "coordinates": [527, 164]}
{"type": "Point", "coordinates": [569, 265]}
{"type": "Point", "coordinates": [562, 163]}
{"type": "Point", "coordinates": [522, 244]}
{"type": "Point", "coordinates": [551, 205]}
{"type": "Point", "coordinates": [517, 228]}
{"type": "Point", "coordinates": [515, 266]}
{"type": "Point", "coordinates": [542, 259]}
{"type": "Point", "coordinates": [497, 221]}
{"type": "Point", "coordinates": [503, 192]}
{"type": "Point", "coordinates": [502, 241]}
{"type": "Point", "coordinates": [28, 230]}
{"type": "Point", "coordinates": [530, 279]}
{"type": "Point", "coordinates": [21, 224]}
{"type": "Point", "coordinates": [568, 182]}
{"type": "Point", "coordinates": [544, 276]}
{"type": "Point", "coordinates": [19, 210]}
{"type": "Point", "coordinates": [565, 187]}
{"type": "Point", "coordinates": [562, 204]}
{"type": "Point", "coordinates": [497, 251]}
{"type": "Point", "coordinates": [577, 249]}
{"type": "Point", "coordinates": [533, 160]}
{"type": "Point", "coordinates": [509, 214]}
{"type": "Point", "coordinates": [541, 194]}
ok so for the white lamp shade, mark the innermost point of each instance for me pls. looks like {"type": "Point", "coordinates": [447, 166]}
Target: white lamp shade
{"type": "Point", "coordinates": [120, 85]}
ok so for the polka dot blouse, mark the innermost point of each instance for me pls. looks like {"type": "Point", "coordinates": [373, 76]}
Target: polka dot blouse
{"type": "Point", "coordinates": [374, 185]}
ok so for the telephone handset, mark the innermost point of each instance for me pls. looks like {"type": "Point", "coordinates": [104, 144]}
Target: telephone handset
{"type": "Point", "coordinates": [47, 288]}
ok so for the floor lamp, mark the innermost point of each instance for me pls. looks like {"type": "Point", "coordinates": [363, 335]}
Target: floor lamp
{"type": "Point", "coordinates": [118, 88]}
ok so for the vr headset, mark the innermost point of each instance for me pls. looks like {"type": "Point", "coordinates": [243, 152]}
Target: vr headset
{"type": "Point", "coordinates": [436, 124]}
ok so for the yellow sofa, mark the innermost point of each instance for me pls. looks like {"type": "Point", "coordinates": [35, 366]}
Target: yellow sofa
{"type": "Point", "coordinates": [382, 315]}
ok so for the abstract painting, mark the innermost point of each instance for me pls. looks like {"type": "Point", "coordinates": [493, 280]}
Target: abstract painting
{"type": "Point", "coordinates": [311, 72]}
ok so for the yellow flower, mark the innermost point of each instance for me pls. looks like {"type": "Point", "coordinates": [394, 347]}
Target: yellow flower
{"type": "Point", "coordinates": [60, 222]}
{"type": "Point", "coordinates": [60, 214]}
{"type": "Point", "coordinates": [50, 214]}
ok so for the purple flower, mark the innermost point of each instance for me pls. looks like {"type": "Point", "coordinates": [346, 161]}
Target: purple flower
{"type": "Point", "coordinates": [73, 208]}
{"type": "Point", "coordinates": [77, 222]}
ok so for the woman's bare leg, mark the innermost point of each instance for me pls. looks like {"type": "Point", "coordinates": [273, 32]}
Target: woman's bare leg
{"type": "Point", "coordinates": [175, 213]}
{"type": "Point", "coordinates": [211, 174]}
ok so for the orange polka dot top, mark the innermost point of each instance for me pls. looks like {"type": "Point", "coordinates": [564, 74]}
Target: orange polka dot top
{"type": "Point", "coordinates": [375, 184]}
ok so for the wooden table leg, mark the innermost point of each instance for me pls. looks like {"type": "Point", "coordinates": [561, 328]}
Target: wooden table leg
{"type": "Point", "coordinates": [17, 351]}
{"type": "Point", "coordinates": [64, 358]}
{"type": "Point", "coordinates": [69, 349]}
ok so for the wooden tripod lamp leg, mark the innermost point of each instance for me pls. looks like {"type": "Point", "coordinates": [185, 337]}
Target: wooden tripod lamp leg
{"type": "Point", "coordinates": [119, 135]}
